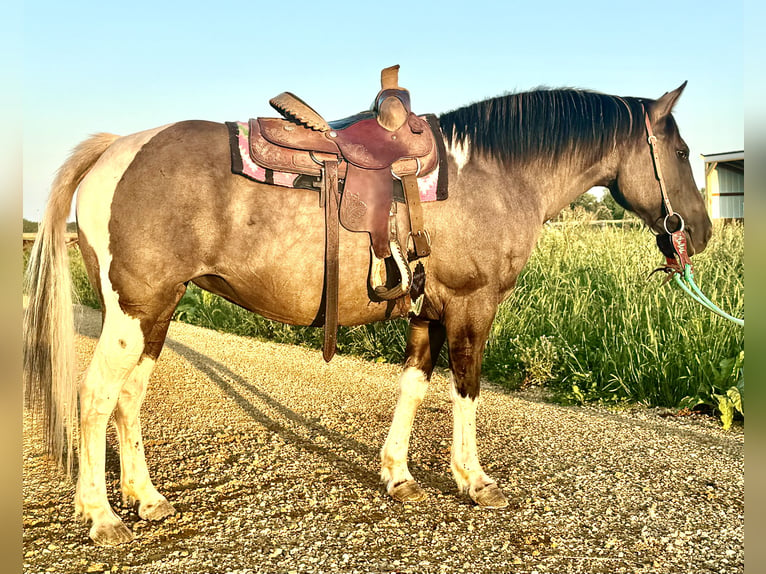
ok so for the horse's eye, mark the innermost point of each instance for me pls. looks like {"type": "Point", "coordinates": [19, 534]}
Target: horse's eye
{"type": "Point", "coordinates": [682, 153]}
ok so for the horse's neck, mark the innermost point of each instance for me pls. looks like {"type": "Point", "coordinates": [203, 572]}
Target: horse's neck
{"type": "Point", "coordinates": [565, 182]}
{"type": "Point", "coordinates": [539, 188]}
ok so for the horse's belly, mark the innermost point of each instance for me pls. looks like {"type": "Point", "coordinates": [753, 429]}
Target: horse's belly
{"type": "Point", "coordinates": [287, 284]}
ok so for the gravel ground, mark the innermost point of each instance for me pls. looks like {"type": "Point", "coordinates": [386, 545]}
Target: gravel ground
{"type": "Point", "coordinates": [270, 457]}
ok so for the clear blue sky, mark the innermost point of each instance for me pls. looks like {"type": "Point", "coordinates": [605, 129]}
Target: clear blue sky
{"type": "Point", "coordinates": [128, 66]}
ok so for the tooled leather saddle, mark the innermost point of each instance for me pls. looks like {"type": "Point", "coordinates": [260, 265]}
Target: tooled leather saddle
{"type": "Point", "coordinates": [357, 162]}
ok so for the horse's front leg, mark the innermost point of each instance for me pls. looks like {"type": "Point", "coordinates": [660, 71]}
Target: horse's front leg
{"type": "Point", "coordinates": [424, 342]}
{"type": "Point", "coordinates": [466, 340]}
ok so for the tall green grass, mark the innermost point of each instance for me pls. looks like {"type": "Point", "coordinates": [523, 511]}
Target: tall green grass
{"type": "Point", "coordinates": [583, 320]}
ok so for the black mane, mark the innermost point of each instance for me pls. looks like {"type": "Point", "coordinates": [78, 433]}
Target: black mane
{"type": "Point", "coordinates": [547, 124]}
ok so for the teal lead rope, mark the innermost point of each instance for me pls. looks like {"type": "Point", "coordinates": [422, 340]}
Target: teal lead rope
{"type": "Point", "coordinates": [679, 267]}
{"type": "Point", "coordinates": [685, 280]}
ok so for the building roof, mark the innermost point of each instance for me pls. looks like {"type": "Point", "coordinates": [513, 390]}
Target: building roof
{"type": "Point", "coordinates": [724, 156]}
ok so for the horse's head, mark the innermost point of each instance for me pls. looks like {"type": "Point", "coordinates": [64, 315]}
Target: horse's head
{"type": "Point", "coordinates": [637, 188]}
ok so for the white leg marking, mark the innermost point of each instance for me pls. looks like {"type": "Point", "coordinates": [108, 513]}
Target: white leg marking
{"type": "Point", "coordinates": [134, 474]}
{"type": "Point", "coordinates": [466, 469]}
{"type": "Point", "coordinates": [393, 456]}
{"type": "Point", "coordinates": [117, 353]}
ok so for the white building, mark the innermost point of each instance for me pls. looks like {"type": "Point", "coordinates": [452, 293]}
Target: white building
{"type": "Point", "coordinates": [725, 184]}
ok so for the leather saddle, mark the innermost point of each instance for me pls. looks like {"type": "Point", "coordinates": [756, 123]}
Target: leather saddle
{"type": "Point", "coordinates": [356, 163]}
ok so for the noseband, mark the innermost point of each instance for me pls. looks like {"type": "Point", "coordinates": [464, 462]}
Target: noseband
{"type": "Point", "coordinates": [679, 266]}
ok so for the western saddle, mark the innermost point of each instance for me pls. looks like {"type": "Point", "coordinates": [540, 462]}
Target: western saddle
{"type": "Point", "coordinates": [356, 162]}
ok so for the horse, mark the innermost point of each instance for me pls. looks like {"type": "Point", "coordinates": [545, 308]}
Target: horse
{"type": "Point", "coordinates": [161, 208]}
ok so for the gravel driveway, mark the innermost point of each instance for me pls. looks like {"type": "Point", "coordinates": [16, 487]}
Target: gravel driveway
{"type": "Point", "coordinates": [270, 457]}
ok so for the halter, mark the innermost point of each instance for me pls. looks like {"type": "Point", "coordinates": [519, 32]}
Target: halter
{"type": "Point", "coordinates": [679, 266]}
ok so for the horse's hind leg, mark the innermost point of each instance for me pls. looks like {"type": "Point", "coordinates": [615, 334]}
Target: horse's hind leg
{"type": "Point", "coordinates": [423, 345]}
{"type": "Point", "coordinates": [135, 482]}
{"type": "Point", "coordinates": [116, 382]}
{"type": "Point", "coordinates": [117, 353]}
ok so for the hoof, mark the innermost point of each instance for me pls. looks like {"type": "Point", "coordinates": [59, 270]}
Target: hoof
{"type": "Point", "coordinates": [156, 511]}
{"type": "Point", "coordinates": [408, 491]}
{"type": "Point", "coordinates": [110, 534]}
{"type": "Point", "coordinates": [490, 497]}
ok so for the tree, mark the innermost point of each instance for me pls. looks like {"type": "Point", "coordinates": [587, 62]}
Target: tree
{"type": "Point", "coordinates": [615, 210]}
{"type": "Point", "coordinates": [587, 201]}
{"type": "Point", "coordinates": [32, 226]}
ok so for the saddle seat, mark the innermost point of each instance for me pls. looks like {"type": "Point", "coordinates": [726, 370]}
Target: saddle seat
{"type": "Point", "coordinates": [357, 161]}
{"type": "Point", "coordinates": [360, 140]}
{"type": "Point", "coordinates": [366, 139]}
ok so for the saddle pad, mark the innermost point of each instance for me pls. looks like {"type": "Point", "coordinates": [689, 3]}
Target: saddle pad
{"type": "Point", "coordinates": [431, 186]}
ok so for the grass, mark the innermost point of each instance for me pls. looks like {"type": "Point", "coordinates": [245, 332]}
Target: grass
{"type": "Point", "coordinates": [583, 321]}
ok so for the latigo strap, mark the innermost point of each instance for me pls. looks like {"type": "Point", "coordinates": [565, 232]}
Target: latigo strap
{"type": "Point", "coordinates": [330, 200]}
{"type": "Point", "coordinates": [407, 170]}
{"type": "Point", "coordinates": [417, 230]}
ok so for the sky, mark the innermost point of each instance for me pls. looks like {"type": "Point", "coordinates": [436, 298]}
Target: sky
{"type": "Point", "coordinates": [90, 67]}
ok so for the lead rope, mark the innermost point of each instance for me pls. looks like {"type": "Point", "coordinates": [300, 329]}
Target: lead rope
{"type": "Point", "coordinates": [680, 265]}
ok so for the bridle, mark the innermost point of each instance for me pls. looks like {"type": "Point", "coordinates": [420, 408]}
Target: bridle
{"type": "Point", "coordinates": [679, 266]}
{"type": "Point", "coordinates": [681, 257]}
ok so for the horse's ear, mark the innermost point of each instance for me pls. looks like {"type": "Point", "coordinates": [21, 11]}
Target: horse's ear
{"type": "Point", "coordinates": [664, 105]}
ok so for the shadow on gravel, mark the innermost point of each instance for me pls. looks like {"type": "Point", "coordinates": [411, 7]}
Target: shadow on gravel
{"type": "Point", "coordinates": [226, 379]}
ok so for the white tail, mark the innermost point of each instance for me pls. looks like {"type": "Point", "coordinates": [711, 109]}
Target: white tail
{"type": "Point", "coordinates": [50, 374]}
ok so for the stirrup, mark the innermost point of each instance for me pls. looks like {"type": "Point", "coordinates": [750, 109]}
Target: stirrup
{"type": "Point", "coordinates": [378, 274]}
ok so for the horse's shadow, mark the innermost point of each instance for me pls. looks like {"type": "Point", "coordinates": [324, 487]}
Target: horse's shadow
{"type": "Point", "coordinates": [331, 448]}
{"type": "Point", "coordinates": [228, 381]}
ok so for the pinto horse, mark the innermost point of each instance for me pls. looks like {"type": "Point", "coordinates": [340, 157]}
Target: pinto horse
{"type": "Point", "coordinates": [161, 208]}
